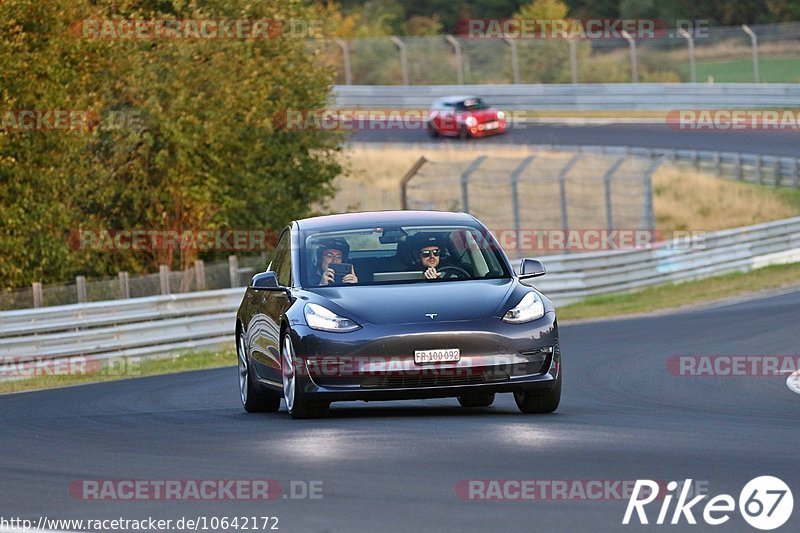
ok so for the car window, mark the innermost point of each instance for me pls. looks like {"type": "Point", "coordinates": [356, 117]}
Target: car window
{"type": "Point", "coordinates": [472, 104]}
{"type": "Point", "coordinates": [391, 255]}
{"type": "Point", "coordinates": [282, 261]}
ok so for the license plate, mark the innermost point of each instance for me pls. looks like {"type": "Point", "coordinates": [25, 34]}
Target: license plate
{"type": "Point", "coordinates": [492, 125]}
{"type": "Point", "coordinates": [437, 356]}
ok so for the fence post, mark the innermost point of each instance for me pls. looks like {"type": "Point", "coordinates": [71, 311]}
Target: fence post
{"type": "Point", "coordinates": [124, 285]}
{"type": "Point", "coordinates": [759, 177]}
{"type": "Point", "coordinates": [692, 67]}
{"type": "Point", "coordinates": [648, 214]}
{"type": "Point", "coordinates": [348, 75]}
{"type": "Point", "coordinates": [233, 269]}
{"type": "Point", "coordinates": [607, 185]}
{"type": "Point", "coordinates": [794, 172]}
{"type": "Point", "coordinates": [776, 168]}
{"type": "Point", "coordinates": [200, 274]}
{"type": "Point", "coordinates": [573, 60]}
{"type": "Point", "coordinates": [514, 60]}
{"type": "Point", "coordinates": [718, 164]}
{"type": "Point", "coordinates": [634, 64]}
{"type": "Point", "coordinates": [754, 45]}
{"type": "Point", "coordinates": [465, 181]}
{"type": "Point", "coordinates": [459, 62]}
{"type": "Point", "coordinates": [80, 287]}
{"type": "Point", "coordinates": [401, 47]}
{"type": "Point", "coordinates": [37, 294]}
{"type": "Point", "coordinates": [562, 186]}
{"type": "Point", "coordinates": [404, 182]}
{"type": "Point", "coordinates": [515, 193]}
{"type": "Point", "coordinates": [163, 276]}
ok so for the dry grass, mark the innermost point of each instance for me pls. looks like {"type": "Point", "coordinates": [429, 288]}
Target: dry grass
{"type": "Point", "coordinates": [683, 199]}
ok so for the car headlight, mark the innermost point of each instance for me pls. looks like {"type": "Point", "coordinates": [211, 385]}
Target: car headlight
{"type": "Point", "coordinates": [321, 318]}
{"type": "Point", "coordinates": [529, 308]}
{"type": "Point", "coordinates": [471, 121]}
{"type": "Point", "coordinates": [500, 115]}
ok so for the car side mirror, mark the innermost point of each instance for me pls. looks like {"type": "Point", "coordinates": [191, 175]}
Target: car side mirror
{"type": "Point", "coordinates": [265, 280]}
{"type": "Point", "coordinates": [530, 268]}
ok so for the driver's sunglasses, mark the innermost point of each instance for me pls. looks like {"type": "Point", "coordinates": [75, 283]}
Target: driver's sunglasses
{"type": "Point", "coordinates": [427, 253]}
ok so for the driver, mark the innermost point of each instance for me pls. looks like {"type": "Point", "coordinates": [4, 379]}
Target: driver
{"type": "Point", "coordinates": [333, 251]}
{"type": "Point", "coordinates": [428, 252]}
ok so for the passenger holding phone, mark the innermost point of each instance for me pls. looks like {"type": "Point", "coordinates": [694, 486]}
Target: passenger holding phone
{"type": "Point", "coordinates": [334, 252]}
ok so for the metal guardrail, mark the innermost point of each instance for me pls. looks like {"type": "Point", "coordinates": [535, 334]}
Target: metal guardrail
{"type": "Point", "coordinates": [587, 96]}
{"type": "Point", "coordinates": [160, 325]}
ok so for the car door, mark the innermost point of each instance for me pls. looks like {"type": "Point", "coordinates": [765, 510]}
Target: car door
{"type": "Point", "coordinates": [271, 306]}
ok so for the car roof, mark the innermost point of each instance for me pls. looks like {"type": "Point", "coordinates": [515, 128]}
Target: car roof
{"type": "Point", "coordinates": [383, 218]}
{"type": "Point", "coordinates": [454, 99]}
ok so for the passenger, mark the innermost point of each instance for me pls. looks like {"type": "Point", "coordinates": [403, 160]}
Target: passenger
{"type": "Point", "coordinates": [333, 251]}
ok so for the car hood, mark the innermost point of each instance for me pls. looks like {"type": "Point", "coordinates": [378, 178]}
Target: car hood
{"type": "Point", "coordinates": [409, 303]}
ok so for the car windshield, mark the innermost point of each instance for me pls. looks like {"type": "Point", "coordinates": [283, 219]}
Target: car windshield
{"type": "Point", "coordinates": [472, 104]}
{"type": "Point", "coordinates": [399, 255]}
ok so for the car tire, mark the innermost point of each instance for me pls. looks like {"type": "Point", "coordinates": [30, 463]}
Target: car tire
{"type": "Point", "coordinates": [253, 401]}
{"type": "Point", "coordinates": [530, 402]}
{"type": "Point", "coordinates": [296, 402]}
{"type": "Point", "coordinates": [476, 400]}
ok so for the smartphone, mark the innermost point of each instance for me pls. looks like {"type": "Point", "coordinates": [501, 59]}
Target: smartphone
{"type": "Point", "coordinates": [340, 270]}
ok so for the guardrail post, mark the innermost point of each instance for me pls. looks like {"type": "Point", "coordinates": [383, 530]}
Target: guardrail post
{"type": "Point", "coordinates": [634, 64]}
{"type": "Point", "coordinates": [738, 171]}
{"type": "Point", "coordinates": [124, 285]}
{"type": "Point", "coordinates": [759, 177]}
{"type": "Point", "coordinates": [80, 287]}
{"type": "Point", "coordinates": [401, 47]}
{"type": "Point", "coordinates": [573, 60]}
{"type": "Point", "coordinates": [163, 277]}
{"type": "Point", "coordinates": [718, 164]}
{"type": "Point", "coordinates": [692, 67]}
{"type": "Point", "coordinates": [233, 268]}
{"type": "Point", "coordinates": [459, 62]}
{"type": "Point", "coordinates": [37, 293]}
{"type": "Point", "coordinates": [465, 181]}
{"type": "Point", "coordinates": [776, 169]}
{"type": "Point", "coordinates": [794, 172]}
{"type": "Point", "coordinates": [695, 160]}
{"type": "Point", "coordinates": [514, 60]}
{"type": "Point", "coordinates": [200, 274]}
{"type": "Point", "coordinates": [607, 185]}
{"type": "Point", "coordinates": [754, 45]}
{"type": "Point", "coordinates": [348, 74]}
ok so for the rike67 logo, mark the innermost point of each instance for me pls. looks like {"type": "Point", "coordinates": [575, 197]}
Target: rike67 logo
{"type": "Point", "coordinates": [765, 503]}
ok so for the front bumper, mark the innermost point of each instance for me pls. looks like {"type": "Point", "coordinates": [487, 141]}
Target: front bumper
{"type": "Point", "coordinates": [377, 361]}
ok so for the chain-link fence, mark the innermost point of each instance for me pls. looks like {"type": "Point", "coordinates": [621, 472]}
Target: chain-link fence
{"type": "Point", "coordinates": [766, 53]}
{"type": "Point", "coordinates": [235, 272]}
{"type": "Point", "coordinates": [544, 192]}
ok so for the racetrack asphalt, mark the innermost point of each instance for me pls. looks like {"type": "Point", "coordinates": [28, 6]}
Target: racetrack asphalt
{"type": "Point", "coordinates": [648, 135]}
{"type": "Point", "coordinates": [394, 466]}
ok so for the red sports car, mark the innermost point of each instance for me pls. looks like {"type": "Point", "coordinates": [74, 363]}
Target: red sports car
{"type": "Point", "coordinates": [464, 117]}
